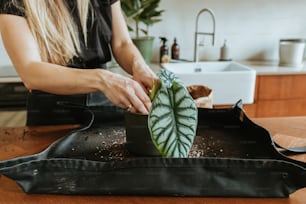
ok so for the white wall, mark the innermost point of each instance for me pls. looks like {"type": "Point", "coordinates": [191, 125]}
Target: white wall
{"type": "Point", "coordinates": [252, 27]}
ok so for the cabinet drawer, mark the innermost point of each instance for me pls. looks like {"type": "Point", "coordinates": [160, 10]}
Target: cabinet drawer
{"type": "Point", "coordinates": [281, 108]}
{"type": "Point", "coordinates": [280, 87]}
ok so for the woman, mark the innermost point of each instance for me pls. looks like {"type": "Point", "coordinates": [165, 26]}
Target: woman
{"type": "Point", "coordinates": [60, 47]}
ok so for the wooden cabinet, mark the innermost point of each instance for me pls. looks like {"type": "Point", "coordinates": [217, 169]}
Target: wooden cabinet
{"type": "Point", "coordinates": [279, 95]}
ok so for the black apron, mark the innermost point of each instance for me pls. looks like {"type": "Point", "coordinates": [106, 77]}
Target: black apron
{"type": "Point", "coordinates": [50, 109]}
{"type": "Point", "coordinates": [241, 161]}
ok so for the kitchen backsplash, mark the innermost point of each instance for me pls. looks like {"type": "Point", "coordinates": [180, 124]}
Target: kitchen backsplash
{"type": "Point", "coordinates": [252, 27]}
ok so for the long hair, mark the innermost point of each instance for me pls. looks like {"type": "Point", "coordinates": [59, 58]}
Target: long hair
{"type": "Point", "coordinates": [54, 28]}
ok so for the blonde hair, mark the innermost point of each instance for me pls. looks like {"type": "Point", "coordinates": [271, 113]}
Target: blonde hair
{"type": "Point", "coordinates": [54, 28]}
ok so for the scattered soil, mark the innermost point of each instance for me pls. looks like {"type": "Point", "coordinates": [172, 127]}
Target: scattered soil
{"type": "Point", "coordinates": [107, 144]}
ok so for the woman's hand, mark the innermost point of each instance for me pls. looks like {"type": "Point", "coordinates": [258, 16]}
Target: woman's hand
{"type": "Point", "coordinates": [144, 75]}
{"type": "Point", "coordinates": [125, 92]}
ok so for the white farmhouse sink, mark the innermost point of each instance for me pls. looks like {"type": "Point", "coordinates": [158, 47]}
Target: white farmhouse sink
{"type": "Point", "coordinates": [230, 81]}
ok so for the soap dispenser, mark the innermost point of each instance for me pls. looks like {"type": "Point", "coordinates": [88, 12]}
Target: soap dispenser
{"type": "Point", "coordinates": [225, 52]}
{"type": "Point", "coordinates": [175, 50]}
{"type": "Point", "coordinates": [164, 51]}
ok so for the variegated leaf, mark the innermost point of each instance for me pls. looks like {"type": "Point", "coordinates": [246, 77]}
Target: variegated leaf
{"type": "Point", "coordinates": [173, 117]}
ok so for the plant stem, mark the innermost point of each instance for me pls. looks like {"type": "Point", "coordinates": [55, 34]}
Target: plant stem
{"type": "Point", "coordinates": [137, 29]}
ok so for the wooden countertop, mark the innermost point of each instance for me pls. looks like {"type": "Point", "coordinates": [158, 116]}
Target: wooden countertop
{"type": "Point", "coordinates": [289, 131]}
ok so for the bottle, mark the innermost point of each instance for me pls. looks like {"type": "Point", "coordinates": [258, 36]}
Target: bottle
{"type": "Point", "coordinates": [164, 51]}
{"type": "Point", "coordinates": [175, 50]}
{"type": "Point", "coordinates": [225, 54]}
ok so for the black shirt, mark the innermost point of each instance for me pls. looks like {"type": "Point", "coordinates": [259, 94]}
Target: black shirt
{"type": "Point", "coordinates": [97, 52]}
{"type": "Point", "coordinates": [43, 108]}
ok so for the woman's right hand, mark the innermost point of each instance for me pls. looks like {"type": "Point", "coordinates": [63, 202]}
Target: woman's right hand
{"type": "Point", "coordinates": [125, 92]}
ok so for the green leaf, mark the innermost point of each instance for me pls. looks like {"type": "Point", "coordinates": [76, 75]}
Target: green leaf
{"type": "Point", "coordinates": [155, 88]}
{"type": "Point", "coordinates": [130, 28]}
{"type": "Point", "coordinates": [144, 31]}
{"type": "Point", "coordinates": [142, 12]}
{"type": "Point", "coordinates": [173, 117]}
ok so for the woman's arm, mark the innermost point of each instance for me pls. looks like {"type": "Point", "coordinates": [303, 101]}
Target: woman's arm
{"type": "Point", "coordinates": [122, 43]}
{"type": "Point", "coordinates": [125, 52]}
{"type": "Point", "coordinates": [52, 78]}
{"type": "Point", "coordinates": [38, 75]}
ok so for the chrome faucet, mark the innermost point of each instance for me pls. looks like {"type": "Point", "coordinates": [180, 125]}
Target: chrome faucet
{"type": "Point", "coordinates": [197, 33]}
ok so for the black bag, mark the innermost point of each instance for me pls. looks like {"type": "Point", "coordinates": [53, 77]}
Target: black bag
{"type": "Point", "coordinates": [231, 157]}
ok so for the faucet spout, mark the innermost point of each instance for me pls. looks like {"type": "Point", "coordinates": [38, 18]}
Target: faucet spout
{"type": "Point", "coordinates": [198, 33]}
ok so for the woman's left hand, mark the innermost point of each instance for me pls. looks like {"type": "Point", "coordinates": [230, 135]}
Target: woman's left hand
{"type": "Point", "coordinates": [144, 75]}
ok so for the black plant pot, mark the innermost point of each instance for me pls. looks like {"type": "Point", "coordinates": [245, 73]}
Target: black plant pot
{"type": "Point", "coordinates": [138, 138]}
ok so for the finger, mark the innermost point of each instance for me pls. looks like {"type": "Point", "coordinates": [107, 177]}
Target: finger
{"type": "Point", "coordinates": [138, 104]}
{"type": "Point", "coordinates": [129, 107]}
{"type": "Point", "coordinates": [143, 84]}
{"type": "Point", "coordinates": [125, 103]}
{"type": "Point", "coordinates": [147, 81]}
{"type": "Point", "coordinates": [146, 101]}
{"type": "Point", "coordinates": [133, 110]}
{"type": "Point", "coordinates": [143, 97]}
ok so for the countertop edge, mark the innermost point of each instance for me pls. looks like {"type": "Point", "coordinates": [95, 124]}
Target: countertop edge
{"type": "Point", "coordinates": [273, 68]}
{"type": "Point", "coordinates": [261, 68]}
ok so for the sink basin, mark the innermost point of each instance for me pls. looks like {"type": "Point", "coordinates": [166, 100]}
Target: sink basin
{"type": "Point", "coordinates": [230, 81]}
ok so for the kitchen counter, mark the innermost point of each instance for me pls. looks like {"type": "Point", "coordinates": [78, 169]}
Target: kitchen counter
{"type": "Point", "coordinates": [273, 68]}
{"type": "Point", "coordinates": [8, 74]}
{"type": "Point", "coordinates": [25, 140]}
